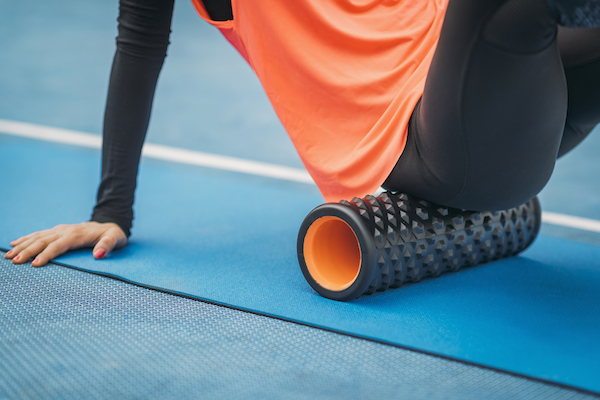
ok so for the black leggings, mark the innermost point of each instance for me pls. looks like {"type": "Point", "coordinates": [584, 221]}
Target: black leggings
{"type": "Point", "coordinates": [505, 96]}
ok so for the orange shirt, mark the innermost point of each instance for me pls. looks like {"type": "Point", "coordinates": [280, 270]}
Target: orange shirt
{"type": "Point", "coordinates": [343, 77]}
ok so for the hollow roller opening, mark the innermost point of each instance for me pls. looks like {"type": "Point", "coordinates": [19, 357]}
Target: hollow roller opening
{"type": "Point", "coordinates": [332, 253]}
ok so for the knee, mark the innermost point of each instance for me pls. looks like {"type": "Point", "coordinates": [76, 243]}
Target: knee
{"type": "Point", "coordinates": [501, 189]}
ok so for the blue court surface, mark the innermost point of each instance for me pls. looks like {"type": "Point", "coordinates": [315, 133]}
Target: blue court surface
{"type": "Point", "coordinates": [207, 300]}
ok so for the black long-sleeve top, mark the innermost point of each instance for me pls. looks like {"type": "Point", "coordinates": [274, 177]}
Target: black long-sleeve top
{"type": "Point", "coordinates": [144, 29]}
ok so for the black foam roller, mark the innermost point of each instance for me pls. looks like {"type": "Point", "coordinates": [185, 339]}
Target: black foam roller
{"type": "Point", "coordinates": [367, 245]}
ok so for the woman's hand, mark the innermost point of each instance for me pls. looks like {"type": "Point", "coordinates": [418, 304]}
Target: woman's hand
{"type": "Point", "coordinates": [49, 244]}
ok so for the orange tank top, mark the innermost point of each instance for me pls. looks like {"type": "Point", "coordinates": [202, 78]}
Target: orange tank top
{"type": "Point", "coordinates": [343, 77]}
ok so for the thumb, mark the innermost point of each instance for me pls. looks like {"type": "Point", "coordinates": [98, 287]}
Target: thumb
{"type": "Point", "coordinates": [105, 245]}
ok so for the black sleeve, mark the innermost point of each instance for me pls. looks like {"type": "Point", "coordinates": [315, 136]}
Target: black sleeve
{"type": "Point", "coordinates": [144, 28]}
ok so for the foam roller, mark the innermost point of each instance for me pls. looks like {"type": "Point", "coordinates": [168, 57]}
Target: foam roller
{"type": "Point", "coordinates": [369, 245]}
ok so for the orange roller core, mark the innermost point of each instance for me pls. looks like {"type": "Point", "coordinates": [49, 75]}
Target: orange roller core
{"type": "Point", "coordinates": [332, 253]}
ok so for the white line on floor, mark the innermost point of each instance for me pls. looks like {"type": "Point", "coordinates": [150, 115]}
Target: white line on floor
{"type": "Point", "coordinates": [167, 153]}
{"type": "Point", "coordinates": [158, 151]}
{"type": "Point", "coordinates": [571, 221]}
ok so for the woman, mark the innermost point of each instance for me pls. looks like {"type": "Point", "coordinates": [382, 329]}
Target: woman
{"type": "Point", "coordinates": [465, 103]}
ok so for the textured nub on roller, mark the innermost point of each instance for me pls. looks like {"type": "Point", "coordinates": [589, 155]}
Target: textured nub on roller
{"type": "Point", "coordinates": [367, 245]}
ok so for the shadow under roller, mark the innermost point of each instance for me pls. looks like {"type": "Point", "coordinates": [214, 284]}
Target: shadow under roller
{"type": "Point", "coordinates": [368, 245]}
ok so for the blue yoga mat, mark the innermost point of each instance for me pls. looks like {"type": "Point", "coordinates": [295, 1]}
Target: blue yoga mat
{"type": "Point", "coordinates": [230, 238]}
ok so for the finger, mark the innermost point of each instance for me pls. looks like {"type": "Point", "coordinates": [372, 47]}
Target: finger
{"type": "Point", "coordinates": [30, 251]}
{"type": "Point", "coordinates": [107, 243]}
{"type": "Point", "coordinates": [52, 251]}
{"type": "Point", "coordinates": [103, 248]}
{"type": "Point", "coordinates": [19, 240]}
{"type": "Point", "coordinates": [30, 236]}
{"type": "Point", "coordinates": [40, 260]}
{"type": "Point", "coordinates": [14, 252]}
{"type": "Point", "coordinates": [37, 239]}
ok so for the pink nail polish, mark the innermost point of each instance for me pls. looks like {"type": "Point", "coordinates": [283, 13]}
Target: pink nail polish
{"type": "Point", "coordinates": [17, 258]}
{"type": "Point", "coordinates": [36, 260]}
{"type": "Point", "coordinates": [8, 253]}
{"type": "Point", "coordinates": [100, 253]}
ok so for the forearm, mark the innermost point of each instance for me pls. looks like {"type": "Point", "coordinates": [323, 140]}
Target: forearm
{"type": "Point", "coordinates": [144, 28]}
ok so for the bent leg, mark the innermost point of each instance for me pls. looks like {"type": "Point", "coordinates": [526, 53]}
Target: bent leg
{"type": "Point", "coordinates": [580, 52]}
{"type": "Point", "coordinates": [487, 131]}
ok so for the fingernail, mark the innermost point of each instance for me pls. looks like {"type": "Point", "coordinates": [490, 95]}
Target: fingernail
{"type": "Point", "coordinates": [8, 253]}
{"type": "Point", "coordinates": [99, 253]}
{"type": "Point", "coordinates": [35, 261]}
{"type": "Point", "coordinates": [17, 258]}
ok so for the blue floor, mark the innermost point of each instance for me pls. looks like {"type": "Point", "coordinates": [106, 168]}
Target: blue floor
{"type": "Point", "coordinates": [230, 238]}
{"type": "Point", "coordinates": [236, 246]}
